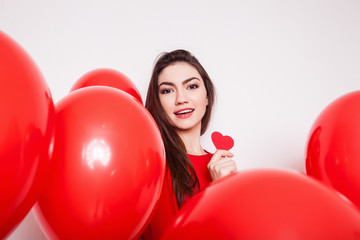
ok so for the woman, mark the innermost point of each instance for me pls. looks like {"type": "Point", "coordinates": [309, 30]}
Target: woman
{"type": "Point", "coordinates": [180, 98]}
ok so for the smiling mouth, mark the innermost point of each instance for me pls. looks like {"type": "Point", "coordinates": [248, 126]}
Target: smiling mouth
{"type": "Point", "coordinates": [184, 112]}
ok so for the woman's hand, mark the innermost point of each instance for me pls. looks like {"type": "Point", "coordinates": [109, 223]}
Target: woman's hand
{"type": "Point", "coordinates": [221, 164]}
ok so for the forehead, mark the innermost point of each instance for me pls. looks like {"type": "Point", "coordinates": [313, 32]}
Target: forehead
{"type": "Point", "coordinates": [178, 72]}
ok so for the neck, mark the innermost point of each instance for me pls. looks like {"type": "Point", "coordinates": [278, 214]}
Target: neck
{"type": "Point", "coordinates": [191, 140]}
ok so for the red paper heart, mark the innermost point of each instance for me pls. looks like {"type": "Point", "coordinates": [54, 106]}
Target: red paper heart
{"type": "Point", "coordinates": [222, 142]}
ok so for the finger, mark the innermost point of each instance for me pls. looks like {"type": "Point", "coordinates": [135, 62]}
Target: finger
{"type": "Point", "coordinates": [219, 154]}
{"type": "Point", "coordinates": [229, 169]}
{"type": "Point", "coordinates": [224, 171]}
{"type": "Point", "coordinates": [224, 162]}
{"type": "Point", "coordinates": [230, 166]}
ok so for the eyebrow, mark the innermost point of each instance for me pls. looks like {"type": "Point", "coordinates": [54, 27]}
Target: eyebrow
{"type": "Point", "coordinates": [184, 82]}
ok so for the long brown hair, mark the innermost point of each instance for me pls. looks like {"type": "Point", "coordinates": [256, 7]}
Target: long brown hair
{"type": "Point", "coordinates": [182, 172]}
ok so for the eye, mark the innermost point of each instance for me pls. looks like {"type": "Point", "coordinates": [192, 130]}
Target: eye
{"type": "Point", "coordinates": [193, 86]}
{"type": "Point", "coordinates": [165, 91]}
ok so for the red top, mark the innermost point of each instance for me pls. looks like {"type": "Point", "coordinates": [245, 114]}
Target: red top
{"type": "Point", "coordinates": [167, 206]}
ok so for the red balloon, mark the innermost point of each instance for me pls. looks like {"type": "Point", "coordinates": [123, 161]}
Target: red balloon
{"type": "Point", "coordinates": [26, 131]}
{"type": "Point", "coordinates": [107, 169]}
{"type": "Point", "coordinates": [110, 78]}
{"type": "Point", "coordinates": [266, 204]}
{"type": "Point", "coordinates": [333, 152]}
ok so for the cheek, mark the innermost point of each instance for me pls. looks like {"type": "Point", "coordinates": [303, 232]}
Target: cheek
{"type": "Point", "coordinates": [165, 103]}
{"type": "Point", "coordinates": [203, 100]}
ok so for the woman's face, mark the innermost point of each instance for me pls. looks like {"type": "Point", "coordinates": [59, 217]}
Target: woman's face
{"type": "Point", "coordinates": [183, 95]}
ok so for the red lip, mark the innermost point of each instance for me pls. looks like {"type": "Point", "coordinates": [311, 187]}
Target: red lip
{"type": "Point", "coordinates": [184, 113]}
{"type": "Point", "coordinates": [184, 109]}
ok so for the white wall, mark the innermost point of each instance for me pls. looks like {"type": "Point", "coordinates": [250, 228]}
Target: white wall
{"type": "Point", "coordinates": [276, 63]}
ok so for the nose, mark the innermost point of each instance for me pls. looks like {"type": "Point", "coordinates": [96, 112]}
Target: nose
{"type": "Point", "coordinates": [181, 98]}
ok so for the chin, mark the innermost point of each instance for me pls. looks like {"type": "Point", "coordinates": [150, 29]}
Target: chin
{"type": "Point", "coordinates": [187, 128]}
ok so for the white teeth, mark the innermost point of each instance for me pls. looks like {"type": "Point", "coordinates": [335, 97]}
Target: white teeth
{"type": "Point", "coordinates": [184, 112]}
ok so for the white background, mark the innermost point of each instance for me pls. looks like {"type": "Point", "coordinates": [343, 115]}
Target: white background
{"type": "Point", "coordinates": [276, 64]}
